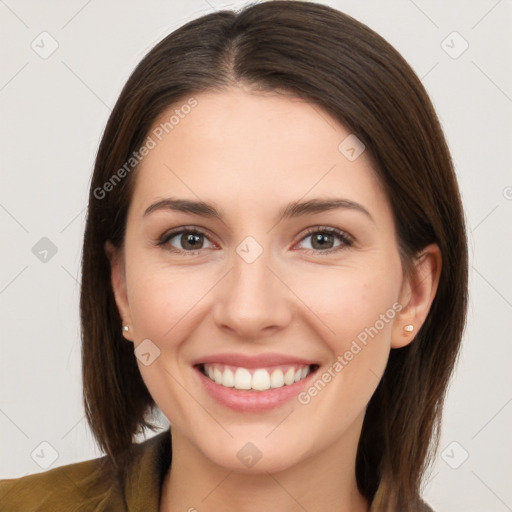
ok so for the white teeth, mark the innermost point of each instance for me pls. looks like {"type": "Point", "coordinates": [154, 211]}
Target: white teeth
{"type": "Point", "coordinates": [242, 379]}
{"type": "Point", "coordinates": [289, 376]}
{"type": "Point", "coordinates": [217, 375]}
{"type": "Point", "coordinates": [277, 379]}
{"type": "Point", "coordinates": [228, 379]}
{"type": "Point", "coordinates": [259, 380]}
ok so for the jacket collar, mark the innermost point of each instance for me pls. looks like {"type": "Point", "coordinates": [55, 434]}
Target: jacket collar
{"type": "Point", "coordinates": [145, 475]}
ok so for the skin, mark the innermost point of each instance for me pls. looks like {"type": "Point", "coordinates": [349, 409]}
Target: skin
{"type": "Point", "coordinates": [251, 154]}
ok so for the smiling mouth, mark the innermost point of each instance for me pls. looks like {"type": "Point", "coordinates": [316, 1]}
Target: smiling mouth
{"type": "Point", "coordinates": [256, 379]}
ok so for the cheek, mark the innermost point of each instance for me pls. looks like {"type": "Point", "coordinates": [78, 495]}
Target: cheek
{"type": "Point", "coordinates": [349, 301]}
{"type": "Point", "coordinates": [164, 306]}
{"type": "Point", "coordinates": [356, 309]}
{"type": "Point", "coordinates": [361, 313]}
{"type": "Point", "coordinates": [161, 298]}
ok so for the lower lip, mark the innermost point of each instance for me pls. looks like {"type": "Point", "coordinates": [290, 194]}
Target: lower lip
{"type": "Point", "coordinates": [253, 401]}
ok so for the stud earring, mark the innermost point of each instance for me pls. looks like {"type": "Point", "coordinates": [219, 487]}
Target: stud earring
{"type": "Point", "coordinates": [126, 328]}
{"type": "Point", "coordinates": [409, 328]}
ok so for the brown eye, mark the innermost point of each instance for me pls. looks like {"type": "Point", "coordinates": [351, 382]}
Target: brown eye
{"type": "Point", "coordinates": [325, 240]}
{"type": "Point", "coordinates": [184, 241]}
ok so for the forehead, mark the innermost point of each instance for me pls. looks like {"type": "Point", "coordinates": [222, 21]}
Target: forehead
{"type": "Point", "coordinates": [252, 149]}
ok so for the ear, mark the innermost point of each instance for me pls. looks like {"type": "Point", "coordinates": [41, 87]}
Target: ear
{"type": "Point", "coordinates": [417, 294]}
{"type": "Point", "coordinates": [118, 281]}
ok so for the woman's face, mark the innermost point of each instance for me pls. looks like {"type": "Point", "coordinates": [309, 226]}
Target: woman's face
{"type": "Point", "coordinates": [262, 297]}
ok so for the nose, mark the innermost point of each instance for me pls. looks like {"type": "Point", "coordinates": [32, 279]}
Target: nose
{"type": "Point", "coordinates": [253, 301]}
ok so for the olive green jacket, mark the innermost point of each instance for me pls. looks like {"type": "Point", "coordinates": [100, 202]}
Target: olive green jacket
{"type": "Point", "coordinates": [91, 486]}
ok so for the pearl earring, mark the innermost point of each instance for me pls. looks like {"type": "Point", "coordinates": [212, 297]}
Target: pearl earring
{"type": "Point", "coordinates": [126, 328]}
{"type": "Point", "coordinates": [409, 328]}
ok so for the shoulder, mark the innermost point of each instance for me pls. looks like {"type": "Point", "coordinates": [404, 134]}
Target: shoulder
{"type": "Point", "coordinates": [92, 485]}
{"type": "Point", "coordinates": [61, 488]}
{"type": "Point", "coordinates": [424, 507]}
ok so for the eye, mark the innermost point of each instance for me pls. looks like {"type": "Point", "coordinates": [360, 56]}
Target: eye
{"type": "Point", "coordinates": [323, 240]}
{"type": "Point", "coordinates": [189, 241]}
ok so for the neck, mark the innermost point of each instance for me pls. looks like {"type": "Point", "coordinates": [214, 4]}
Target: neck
{"type": "Point", "coordinates": [324, 481]}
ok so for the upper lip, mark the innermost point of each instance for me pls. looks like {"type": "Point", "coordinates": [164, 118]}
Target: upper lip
{"type": "Point", "coordinates": [246, 361]}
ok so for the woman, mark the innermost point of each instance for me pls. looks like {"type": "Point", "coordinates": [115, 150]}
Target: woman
{"type": "Point", "coordinates": [294, 377]}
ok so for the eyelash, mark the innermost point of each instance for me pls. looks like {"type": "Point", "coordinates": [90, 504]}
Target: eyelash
{"type": "Point", "coordinates": [347, 240]}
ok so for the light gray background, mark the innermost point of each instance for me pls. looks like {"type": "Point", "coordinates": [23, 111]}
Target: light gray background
{"type": "Point", "coordinates": [53, 112]}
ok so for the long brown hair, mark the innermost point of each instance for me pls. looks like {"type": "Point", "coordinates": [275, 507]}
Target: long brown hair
{"type": "Point", "coordinates": [318, 53]}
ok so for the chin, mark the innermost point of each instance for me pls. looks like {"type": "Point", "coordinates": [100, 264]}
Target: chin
{"type": "Point", "coordinates": [249, 459]}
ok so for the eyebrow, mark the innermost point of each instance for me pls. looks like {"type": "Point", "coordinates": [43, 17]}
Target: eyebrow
{"type": "Point", "coordinates": [292, 210]}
